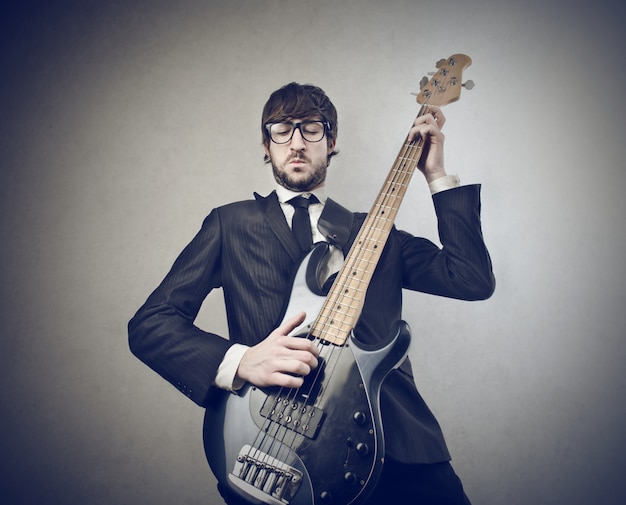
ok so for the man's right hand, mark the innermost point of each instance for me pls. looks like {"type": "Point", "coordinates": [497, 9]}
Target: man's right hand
{"type": "Point", "coordinates": [280, 360]}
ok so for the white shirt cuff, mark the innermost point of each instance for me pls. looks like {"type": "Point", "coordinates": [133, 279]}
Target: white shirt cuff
{"type": "Point", "coordinates": [443, 183]}
{"type": "Point", "coordinates": [226, 377]}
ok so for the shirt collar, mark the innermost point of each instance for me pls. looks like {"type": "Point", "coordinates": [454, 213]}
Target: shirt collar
{"type": "Point", "coordinates": [284, 194]}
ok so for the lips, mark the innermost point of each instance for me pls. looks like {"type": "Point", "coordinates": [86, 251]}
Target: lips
{"type": "Point", "coordinates": [297, 161]}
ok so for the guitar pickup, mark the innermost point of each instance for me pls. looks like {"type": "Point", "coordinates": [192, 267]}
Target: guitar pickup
{"type": "Point", "coordinates": [294, 415]}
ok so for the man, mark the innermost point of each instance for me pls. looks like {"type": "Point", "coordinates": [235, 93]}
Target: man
{"type": "Point", "coordinates": [248, 249]}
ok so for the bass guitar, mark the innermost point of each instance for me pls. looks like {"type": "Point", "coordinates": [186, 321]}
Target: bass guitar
{"type": "Point", "coordinates": [324, 443]}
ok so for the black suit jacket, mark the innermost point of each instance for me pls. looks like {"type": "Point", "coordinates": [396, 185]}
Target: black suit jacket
{"type": "Point", "coordinates": [247, 249]}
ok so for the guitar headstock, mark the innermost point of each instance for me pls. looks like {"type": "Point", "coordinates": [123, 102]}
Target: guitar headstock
{"type": "Point", "coordinates": [445, 85]}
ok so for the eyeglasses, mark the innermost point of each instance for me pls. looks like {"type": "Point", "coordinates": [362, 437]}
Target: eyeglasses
{"type": "Point", "coordinates": [311, 131]}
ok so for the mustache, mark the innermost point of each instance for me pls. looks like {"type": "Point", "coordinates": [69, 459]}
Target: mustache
{"type": "Point", "coordinates": [297, 156]}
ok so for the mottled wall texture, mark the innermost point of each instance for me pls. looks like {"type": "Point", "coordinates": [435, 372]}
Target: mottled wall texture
{"type": "Point", "coordinates": [123, 122]}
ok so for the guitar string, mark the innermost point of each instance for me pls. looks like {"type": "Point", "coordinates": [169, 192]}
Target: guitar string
{"type": "Point", "coordinates": [399, 178]}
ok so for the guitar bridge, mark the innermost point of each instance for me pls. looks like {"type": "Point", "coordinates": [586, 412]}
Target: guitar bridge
{"type": "Point", "coordinates": [264, 477]}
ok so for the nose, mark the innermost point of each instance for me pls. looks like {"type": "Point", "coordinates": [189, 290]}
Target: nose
{"type": "Point", "coordinates": [297, 140]}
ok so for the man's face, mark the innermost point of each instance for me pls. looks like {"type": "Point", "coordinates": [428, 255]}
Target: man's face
{"type": "Point", "coordinates": [300, 165]}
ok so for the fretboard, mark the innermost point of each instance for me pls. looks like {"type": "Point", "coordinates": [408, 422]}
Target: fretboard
{"type": "Point", "coordinates": [344, 302]}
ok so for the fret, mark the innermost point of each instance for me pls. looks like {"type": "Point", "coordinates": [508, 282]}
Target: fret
{"type": "Point", "coordinates": [393, 198]}
{"type": "Point", "coordinates": [382, 209]}
{"type": "Point", "coordinates": [347, 307]}
{"type": "Point", "coordinates": [334, 337]}
{"type": "Point", "coordinates": [361, 271]}
{"type": "Point", "coordinates": [334, 330]}
{"type": "Point", "coordinates": [373, 243]}
{"type": "Point", "coordinates": [409, 159]}
{"type": "Point", "coordinates": [361, 268]}
{"type": "Point", "coordinates": [379, 215]}
{"type": "Point", "coordinates": [390, 201]}
{"type": "Point", "coordinates": [352, 302]}
{"type": "Point", "coordinates": [395, 184]}
{"type": "Point", "coordinates": [341, 306]}
{"type": "Point", "coordinates": [402, 170]}
{"type": "Point", "coordinates": [336, 326]}
{"type": "Point", "coordinates": [383, 230]}
{"type": "Point", "coordinates": [378, 222]}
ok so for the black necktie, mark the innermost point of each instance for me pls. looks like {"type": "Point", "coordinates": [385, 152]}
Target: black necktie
{"type": "Point", "coordinates": [301, 224]}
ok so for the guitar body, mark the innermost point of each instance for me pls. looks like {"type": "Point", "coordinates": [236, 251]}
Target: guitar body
{"type": "Point", "coordinates": [320, 444]}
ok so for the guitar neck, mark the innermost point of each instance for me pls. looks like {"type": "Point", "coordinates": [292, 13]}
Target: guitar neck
{"type": "Point", "coordinates": [343, 305]}
{"type": "Point", "coordinates": [346, 298]}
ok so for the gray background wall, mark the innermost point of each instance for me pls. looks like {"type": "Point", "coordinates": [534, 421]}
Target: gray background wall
{"type": "Point", "coordinates": [124, 122]}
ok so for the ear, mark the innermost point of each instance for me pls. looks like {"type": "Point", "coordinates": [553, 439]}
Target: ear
{"type": "Point", "coordinates": [331, 145]}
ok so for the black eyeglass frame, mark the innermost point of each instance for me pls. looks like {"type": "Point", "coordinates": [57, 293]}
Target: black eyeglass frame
{"type": "Point", "coordinates": [297, 126]}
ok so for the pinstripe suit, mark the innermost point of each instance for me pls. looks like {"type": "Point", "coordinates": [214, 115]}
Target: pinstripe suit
{"type": "Point", "coordinates": [247, 249]}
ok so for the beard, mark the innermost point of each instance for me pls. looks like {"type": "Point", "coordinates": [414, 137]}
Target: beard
{"type": "Point", "coordinates": [299, 181]}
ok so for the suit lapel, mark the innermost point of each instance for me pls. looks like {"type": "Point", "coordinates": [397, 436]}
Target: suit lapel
{"type": "Point", "coordinates": [273, 214]}
{"type": "Point", "coordinates": [336, 223]}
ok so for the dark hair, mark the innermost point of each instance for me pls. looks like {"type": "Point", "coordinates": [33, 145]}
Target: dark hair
{"type": "Point", "coordinates": [299, 101]}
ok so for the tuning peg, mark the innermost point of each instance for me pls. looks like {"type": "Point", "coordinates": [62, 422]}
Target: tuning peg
{"type": "Point", "coordinates": [440, 63]}
{"type": "Point", "coordinates": [468, 85]}
{"type": "Point", "coordinates": [423, 84]}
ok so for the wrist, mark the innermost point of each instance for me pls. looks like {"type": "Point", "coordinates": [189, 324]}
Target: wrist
{"type": "Point", "coordinates": [433, 176]}
{"type": "Point", "coordinates": [227, 374]}
{"type": "Point", "coordinates": [444, 183]}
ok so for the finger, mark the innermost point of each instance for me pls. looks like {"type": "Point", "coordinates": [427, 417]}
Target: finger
{"type": "Point", "coordinates": [424, 130]}
{"type": "Point", "coordinates": [427, 119]}
{"type": "Point", "coordinates": [437, 115]}
{"type": "Point", "coordinates": [434, 116]}
{"type": "Point", "coordinates": [286, 380]}
{"type": "Point", "coordinates": [294, 366]}
{"type": "Point", "coordinates": [299, 349]}
{"type": "Point", "coordinates": [289, 373]}
{"type": "Point", "coordinates": [307, 357]}
{"type": "Point", "coordinates": [292, 323]}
